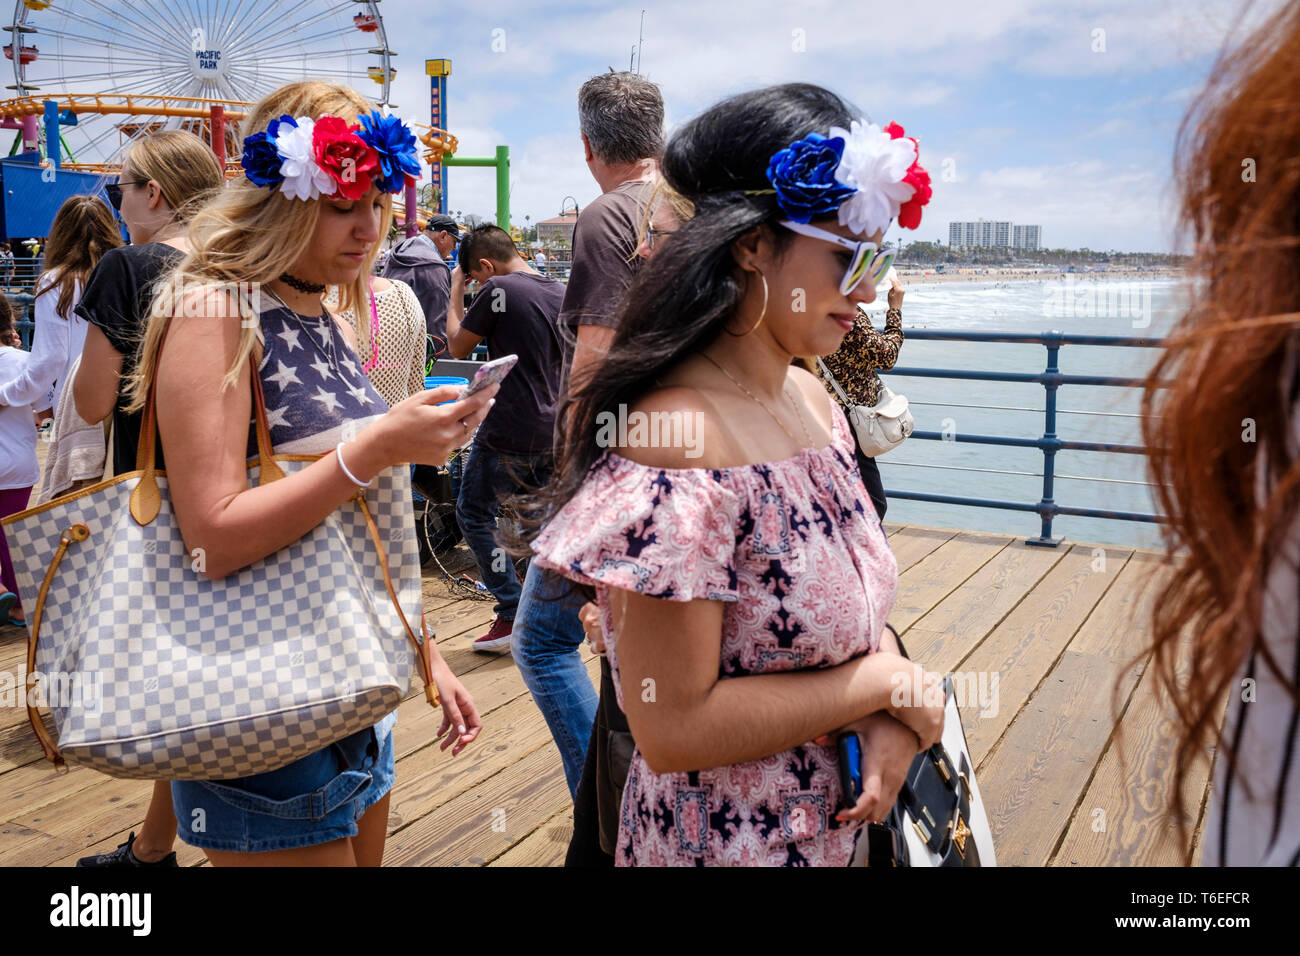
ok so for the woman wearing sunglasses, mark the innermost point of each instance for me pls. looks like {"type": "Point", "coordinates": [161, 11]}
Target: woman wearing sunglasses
{"type": "Point", "coordinates": [166, 177]}
{"type": "Point", "coordinates": [742, 579]}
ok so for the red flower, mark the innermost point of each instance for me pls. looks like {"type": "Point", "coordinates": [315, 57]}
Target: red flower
{"type": "Point", "coordinates": [909, 214]}
{"type": "Point", "coordinates": [344, 156]}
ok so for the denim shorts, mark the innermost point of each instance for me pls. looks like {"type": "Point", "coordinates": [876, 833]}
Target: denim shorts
{"type": "Point", "coordinates": [314, 800]}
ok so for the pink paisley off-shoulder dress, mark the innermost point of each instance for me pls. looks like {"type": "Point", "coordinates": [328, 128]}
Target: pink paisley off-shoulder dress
{"type": "Point", "coordinates": [795, 549]}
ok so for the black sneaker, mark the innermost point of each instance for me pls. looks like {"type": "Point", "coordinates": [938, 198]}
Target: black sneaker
{"type": "Point", "coordinates": [123, 857]}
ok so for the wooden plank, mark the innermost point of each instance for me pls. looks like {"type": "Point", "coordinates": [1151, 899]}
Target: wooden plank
{"type": "Point", "coordinates": [483, 823]}
{"type": "Point", "coordinates": [910, 545]}
{"type": "Point", "coordinates": [493, 687]}
{"type": "Point", "coordinates": [1025, 646]}
{"type": "Point", "coordinates": [1123, 819]}
{"type": "Point", "coordinates": [68, 827]}
{"type": "Point", "coordinates": [940, 573]}
{"type": "Point", "coordinates": [958, 623]}
{"type": "Point", "coordinates": [546, 846]}
{"type": "Point", "coordinates": [1034, 777]}
{"type": "Point", "coordinates": [430, 777]}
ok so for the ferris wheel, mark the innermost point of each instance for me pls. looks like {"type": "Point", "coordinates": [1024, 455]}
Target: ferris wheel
{"type": "Point", "coordinates": [230, 50]}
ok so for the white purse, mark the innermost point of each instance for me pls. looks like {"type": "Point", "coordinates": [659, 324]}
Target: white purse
{"type": "Point", "coordinates": [881, 427]}
{"type": "Point", "coordinates": [939, 819]}
{"type": "Point", "coordinates": [153, 670]}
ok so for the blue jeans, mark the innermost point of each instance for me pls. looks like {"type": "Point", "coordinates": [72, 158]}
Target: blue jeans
{"type": "Point", "coordinates": [545, 642]}
{"type": "Point", "coordinates": [489, 478]}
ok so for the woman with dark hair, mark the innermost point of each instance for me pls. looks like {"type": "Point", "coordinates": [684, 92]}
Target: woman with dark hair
{"type": "Point", "coordinates": [742, 580]}
{"type": "Point", "coordinates": [83, 230]}
{"type": "Point", "coordinates": [1224, 441]}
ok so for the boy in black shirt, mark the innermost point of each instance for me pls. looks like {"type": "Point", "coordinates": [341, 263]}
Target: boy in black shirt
{"type": "Point", "coordinates": [516, 312]}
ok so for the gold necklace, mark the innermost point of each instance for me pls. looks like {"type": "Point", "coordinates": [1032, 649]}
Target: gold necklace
{"type": "Point", "coordinates": [763, 405]}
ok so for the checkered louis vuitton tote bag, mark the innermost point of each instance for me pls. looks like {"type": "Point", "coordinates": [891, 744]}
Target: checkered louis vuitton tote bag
{"type": "Point", "coordinates": [153, 670]}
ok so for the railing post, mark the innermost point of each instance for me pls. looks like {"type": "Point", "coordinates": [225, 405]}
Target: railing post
{"type": "Point", "coordinates": [1047, 506]}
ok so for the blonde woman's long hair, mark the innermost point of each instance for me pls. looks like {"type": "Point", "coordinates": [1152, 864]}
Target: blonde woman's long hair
{"type": "Point", "coordinates": [249, 235]}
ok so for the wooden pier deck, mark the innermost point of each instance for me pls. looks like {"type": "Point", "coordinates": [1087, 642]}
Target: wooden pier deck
{"type": "Point", "coordinates": [1050, 630]}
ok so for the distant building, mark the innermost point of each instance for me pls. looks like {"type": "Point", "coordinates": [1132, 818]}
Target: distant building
{"type": "Point", "coordinates": [990, 234]}
{"type": "Point", "coordinates": [557, 227]}
{"type": "Point", "coordinates": [1028, 238]}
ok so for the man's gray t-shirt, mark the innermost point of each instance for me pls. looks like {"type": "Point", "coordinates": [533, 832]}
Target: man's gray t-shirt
{"type": "Point", "coordinates": [605, 240]}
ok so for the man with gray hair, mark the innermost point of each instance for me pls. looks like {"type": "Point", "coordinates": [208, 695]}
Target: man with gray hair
{"type": "Point", "coordinates": [621, 118]}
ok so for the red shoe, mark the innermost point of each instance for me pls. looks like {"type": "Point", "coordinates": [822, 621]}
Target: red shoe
{"type": "Point", "coordinates": [496, 639]}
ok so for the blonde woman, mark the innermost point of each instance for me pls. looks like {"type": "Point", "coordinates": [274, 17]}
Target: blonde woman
{"type": "Point", "coordinates": [308, 215]}
{"type": "Point", "coordinates": [165, 178]}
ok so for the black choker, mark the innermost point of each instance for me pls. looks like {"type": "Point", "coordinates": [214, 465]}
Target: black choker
{"type": "Point", "coordinates": [299, 284]}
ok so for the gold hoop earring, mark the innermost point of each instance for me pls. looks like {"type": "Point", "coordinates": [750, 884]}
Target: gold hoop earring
{"type": "Point", "coordinates": [762, 312]}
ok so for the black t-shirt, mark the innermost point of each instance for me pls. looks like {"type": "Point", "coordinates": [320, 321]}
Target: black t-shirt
{"type": "Point", "coordinates": [517, 313]}
{"type": "Point", "coordinates": [117, 299]}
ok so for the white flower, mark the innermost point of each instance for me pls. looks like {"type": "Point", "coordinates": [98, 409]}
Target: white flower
{"type": "Point", "coordinates": [874, 164]}
{"type": "Point", "coordinates": [303, 179]}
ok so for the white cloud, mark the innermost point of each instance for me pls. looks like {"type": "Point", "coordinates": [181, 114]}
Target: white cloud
{"type": "Point", "coordinates": [1087, 202]}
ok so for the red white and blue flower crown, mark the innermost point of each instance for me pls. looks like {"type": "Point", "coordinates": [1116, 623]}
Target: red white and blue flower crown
{"type": "Point", "coordinates": [307, 159]}
{"type": "Point", "coordinates": [870, 175]}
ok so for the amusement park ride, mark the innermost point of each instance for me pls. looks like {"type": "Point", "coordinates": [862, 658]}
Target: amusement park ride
{"type": "Point", "coordinates": [93, 77]}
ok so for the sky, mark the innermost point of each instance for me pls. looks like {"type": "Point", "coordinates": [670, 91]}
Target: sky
{"type": "Point", "coordinates": [1061, 114]}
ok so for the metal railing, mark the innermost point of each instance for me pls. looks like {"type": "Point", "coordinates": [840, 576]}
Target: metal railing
{"type": "Point", "coordinates": [1052, 378]}
{"type": "Point", "coordinates": [19, 274]}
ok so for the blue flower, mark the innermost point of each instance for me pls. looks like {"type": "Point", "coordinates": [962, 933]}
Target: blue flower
{"type": "Point", "coordinates": [261, 162]}
{"type": "Point", "coordinates": [261, 159]}
{"type": "Point", "coordinates": [804, 177]}
{"type": "Point", "coordinates": [395, 144]}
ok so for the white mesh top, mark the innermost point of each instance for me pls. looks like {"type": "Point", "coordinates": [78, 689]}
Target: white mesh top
{"type": "Point", "coordinates": [396, 365]}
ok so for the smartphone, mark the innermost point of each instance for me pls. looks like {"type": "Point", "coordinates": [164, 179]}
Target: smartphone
{"type": "Point", "coordinates": [489, 373]}
{"type": "Point", "coordinates": [850, 751]}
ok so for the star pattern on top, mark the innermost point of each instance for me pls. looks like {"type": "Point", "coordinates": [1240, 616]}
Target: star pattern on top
{"type": "Point", "coordinates": [277, 417]}
{"type": "Point", "coordinates": [316, 392]}
{"type": "Point", "coordinates": [290, 337]}
{"type": "Point", "coordinates": [284, 375]}
{"type": "Point", "coordinates": [328, 399]}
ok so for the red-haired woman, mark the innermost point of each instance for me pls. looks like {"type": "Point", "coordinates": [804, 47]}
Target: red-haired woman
{"type": "Point", "coordinates": [1226, 455]}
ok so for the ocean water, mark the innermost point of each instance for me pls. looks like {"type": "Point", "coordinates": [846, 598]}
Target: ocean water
{"type": "Point", "coordinates": [1138, 308]}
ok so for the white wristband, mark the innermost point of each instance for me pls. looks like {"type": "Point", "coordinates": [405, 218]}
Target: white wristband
{"type": "Point", "coordinates": [351, 477]}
